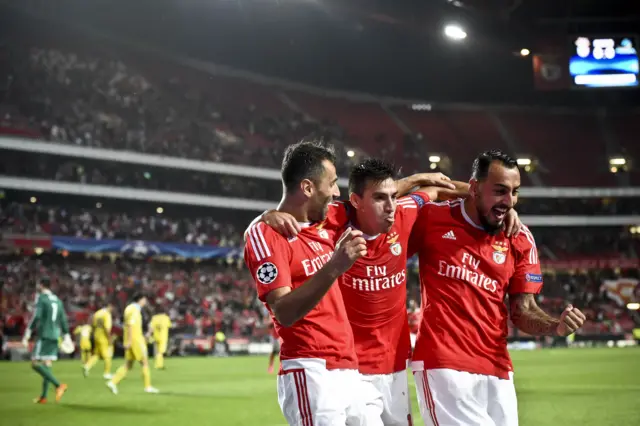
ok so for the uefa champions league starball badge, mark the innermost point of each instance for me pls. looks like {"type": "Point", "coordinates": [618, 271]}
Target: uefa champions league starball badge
{"type": "Point", "coordinates": [267, 273]}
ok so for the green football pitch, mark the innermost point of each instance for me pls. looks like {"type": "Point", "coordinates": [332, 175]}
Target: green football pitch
{"type": "Point", "coordinates": [555, 387]}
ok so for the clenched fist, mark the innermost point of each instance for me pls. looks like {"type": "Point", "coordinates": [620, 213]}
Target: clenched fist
{"type": "Point", "coordinates": [349, 248]}
{"type": "Point", "coordinates": [570, 320]}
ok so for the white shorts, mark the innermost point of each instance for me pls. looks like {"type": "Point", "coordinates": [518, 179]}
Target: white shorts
{"type": "Point", "coordinates": [387, 399]}
{"type": "Point", "coordinates": [311, 395]}
{"type": "Point", "coordinates": [451, 397]}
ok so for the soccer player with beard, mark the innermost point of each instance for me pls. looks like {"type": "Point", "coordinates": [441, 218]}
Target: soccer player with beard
{"type": "Point", "coordinates": [318, 382]}
{"type": "Point", "coordinates": [374, 289]}
{"type": "Point", "coordinates": [468, 265]}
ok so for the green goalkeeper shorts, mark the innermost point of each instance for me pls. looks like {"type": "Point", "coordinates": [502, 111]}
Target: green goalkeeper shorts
{"type": "Point", "coordinates": [45, 350]}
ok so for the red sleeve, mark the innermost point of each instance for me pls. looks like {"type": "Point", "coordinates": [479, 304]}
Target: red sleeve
{"type": "Point", "coordinates": [268, 257]}
{"type": "Point", "coordinates": [418, 231]}
{"type": "Point", "coordinates": [527, 277]}
{"type": "Point", "coordinates": [337, 218]}
{"type": "Point", "coordinates": [409, 207]}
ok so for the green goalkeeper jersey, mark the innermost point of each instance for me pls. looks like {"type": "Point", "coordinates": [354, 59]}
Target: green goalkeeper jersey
{"type": "Point", "coordinates": [49, 317]}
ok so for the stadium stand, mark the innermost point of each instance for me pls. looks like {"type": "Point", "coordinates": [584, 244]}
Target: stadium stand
{"type": "Point", "coordinates": [64, 93]}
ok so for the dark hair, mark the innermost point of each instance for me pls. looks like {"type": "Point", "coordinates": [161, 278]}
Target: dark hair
{"type": "Point", "coordinates": [370, 170]}
{"type": "Point", "coordinates": [137, 296]}
{"type": "Point", "coordinates": [481, 164]}
{"type": "Point", "coordinates": [45, 281]}
{"type": "Point", "coordinates": [303, 160]}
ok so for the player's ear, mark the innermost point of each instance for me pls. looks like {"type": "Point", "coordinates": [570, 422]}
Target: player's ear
{"type": "Point", "coordinates": [307, 187]}
{"type": "Point", "coordinates": [473, 187]}
{"type": "Point", "coordinates": [354, 199]}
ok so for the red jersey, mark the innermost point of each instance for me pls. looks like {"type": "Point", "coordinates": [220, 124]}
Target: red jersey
{"type": "Point", "coordinates": [414, 321]}
{"type": "Point", "coordinates": [276, 262]}
{"type": "Point", "coordinates": [465, 274]}
{"type": "Point", "coordinates": [375, 290]}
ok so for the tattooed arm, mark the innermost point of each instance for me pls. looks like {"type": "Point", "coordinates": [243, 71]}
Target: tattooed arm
{"type": "Point", "coordinates": [528, 317]}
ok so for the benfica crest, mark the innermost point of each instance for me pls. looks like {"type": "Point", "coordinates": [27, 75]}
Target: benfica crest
{"type": "Point", "coordinates": [323, 233]}
{"type": "Point", "coordinates": [500, 252]}
{"type": "Point", "coordinates": [396, 249]}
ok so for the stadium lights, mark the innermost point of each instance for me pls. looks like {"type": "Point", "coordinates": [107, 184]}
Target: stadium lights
{"type": "Point", "coordinates": [38, 251]}
{"type": "Point", "coordinates": [617, 161]}
{"type": "Point", "coordinates": [614, 169]}
{"type": "Point", "coordinates": [633, 306]}
{"type": "Point", "coordinates": [524, 52]}
{"type": "Point", "coordinates": [98, 205]}
{"type": "Point", "coordinates": [433, 166]}
{"type": "Point", "coordinates": [33, 200]}
{"type": "Point", "coordinates": [350, 153]}
{"type": "Point", "coordinates": [455, 32]}
{"type": "Point", "coordinates": [524, 161]}
{"type": "Point", "coordinates": [159, 210]}
{"type": "Point", "coordinates": [434, 158]}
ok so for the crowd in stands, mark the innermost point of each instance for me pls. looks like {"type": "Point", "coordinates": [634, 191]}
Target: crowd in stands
{"type": "Point", "coordinates": [199, 298]}
{"type": "Point", "coordinates": [220, 296]}
{"type": "Point", "coordinates": [97, 100]}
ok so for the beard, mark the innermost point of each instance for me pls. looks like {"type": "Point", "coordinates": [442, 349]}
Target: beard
{"type": "Point", "coordinates": [490, 227]}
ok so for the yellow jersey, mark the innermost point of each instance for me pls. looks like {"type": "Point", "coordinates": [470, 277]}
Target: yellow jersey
{"type": "Point", "coordinates": [160, 324]}
{"type": "Point", "coordinates": [133, 324]}
{"type": "Point", "coordinates": [84, 332]}
{"type": "Point", "coordinates": [102, 322]}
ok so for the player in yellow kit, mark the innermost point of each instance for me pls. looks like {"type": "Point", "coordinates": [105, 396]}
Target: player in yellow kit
{"type": "Point", "coordinates": [83, 334]}
{"type": "Point", "coordinates": [159, 333]}
{"type": "Point", "coordinates": [135, 346]}
{"type": "Point", "coordinates": [102, 340]}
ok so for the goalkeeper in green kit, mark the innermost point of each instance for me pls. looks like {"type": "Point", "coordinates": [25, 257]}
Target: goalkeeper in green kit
{"type": "Point", "coordinates": [49, 320]}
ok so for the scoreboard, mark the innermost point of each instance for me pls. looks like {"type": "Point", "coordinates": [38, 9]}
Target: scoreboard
{"type": "Point", "coordinates": [603, 61]}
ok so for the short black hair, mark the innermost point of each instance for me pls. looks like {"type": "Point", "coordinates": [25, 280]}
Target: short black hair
{"type": "Point", "coordinates": [370, 170]}
{"type": "Point", "coordinates": [303, 160]}
{"type": "Point", "coordinates": [481, 164]}
{"type": "Point", "coordinates": [45, 281]}
{"type": "Point", "coordinates": [138, 295]}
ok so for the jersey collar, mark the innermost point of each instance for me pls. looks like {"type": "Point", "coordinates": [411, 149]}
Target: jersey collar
{"type": "Point", "coordinates": [138, 307]}
{"type": "Point", "coordinates": [467, 218]}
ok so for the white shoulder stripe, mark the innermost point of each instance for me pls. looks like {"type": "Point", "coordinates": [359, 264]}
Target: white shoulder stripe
{"type": "Point", "coordinates": [533, 252]}
{"type": "Point", "coordinates": [264, 243]}
{"type": "Point", "coordinates": [258, 243]}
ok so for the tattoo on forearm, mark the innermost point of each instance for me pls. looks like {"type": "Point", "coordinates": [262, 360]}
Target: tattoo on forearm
{"type": "Point", "coordinates": [529, 318]}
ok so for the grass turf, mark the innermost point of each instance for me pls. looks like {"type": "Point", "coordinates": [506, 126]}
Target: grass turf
{"type": "Point", "coordinates": [582, 386]}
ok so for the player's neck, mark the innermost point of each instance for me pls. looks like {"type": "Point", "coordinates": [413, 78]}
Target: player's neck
{"type": "Point", "coordinates": [294, 207]}
{"type": "Point", "coordinates": [362, 226]}
{"type": "Point", "coordinates": [471, 212]}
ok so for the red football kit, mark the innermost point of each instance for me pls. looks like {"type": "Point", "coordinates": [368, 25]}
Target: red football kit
{"type": "Point", "coordinates": [375, 291]}
{"type": "Point", "coordinates": [465, 274]}
{"type": "Point", "coordinates": [275, 261]}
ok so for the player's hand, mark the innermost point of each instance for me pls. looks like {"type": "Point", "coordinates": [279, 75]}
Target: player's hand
{"type": "Point", "coordinates": [434, 179]}
{"type": "Point", "coordinates": [570, 320]}
{"type": "Point", "coordinates": [512, 224]}
{"type": "Point", "coordinates": [349, 248]}
{"type": "Point", "coordinates": [284, 223]}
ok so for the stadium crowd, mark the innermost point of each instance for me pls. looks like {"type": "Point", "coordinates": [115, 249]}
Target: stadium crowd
{"type": "Point", "coordinates": [98, 100]}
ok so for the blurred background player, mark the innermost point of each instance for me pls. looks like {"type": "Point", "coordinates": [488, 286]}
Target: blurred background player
{"type": "Point", "coordinates": [135, 345]}
{"type": "Point", "coordinates": [275, 345]}
{"type": "Point", "coordinates": [462, 369]}
{"type": "Point", "coordinates": [49, 319]}
{"type": "Point", "coordinates": [414, 317]}
{"type": "Point", "coordinates": [158, 333]}
{"type": "Point", "coordinates": [83, 336]}
{"type": "Point", "coordinates": [102, 341]}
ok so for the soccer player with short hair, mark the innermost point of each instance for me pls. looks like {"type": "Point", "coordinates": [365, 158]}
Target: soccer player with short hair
{"type": "Point", "coordinates": [49, 319]}
{"type": "Point", "coordinates": [374, 289]}
{"type": "Point", "coordinates": [318, 382]}
{"type": "Point", "coordinates": [103, 341]}
{"type": "Point", "coordinates": [135, 345]}
{"type": "Point", "coordinates": [468, 266]}
{"type": "Point", "coordinates": [159, 332]}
